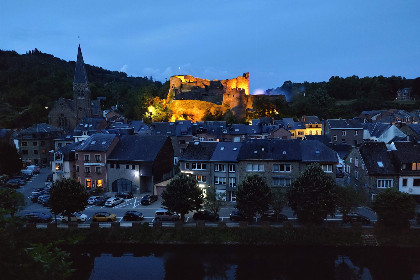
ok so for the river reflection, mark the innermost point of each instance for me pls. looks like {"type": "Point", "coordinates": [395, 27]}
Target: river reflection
{"type": "Point", "coordinates": [218, 262]}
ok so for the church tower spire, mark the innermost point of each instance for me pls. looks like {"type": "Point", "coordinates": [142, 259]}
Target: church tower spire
{"type": "Point", "coordinates": [81, 91]}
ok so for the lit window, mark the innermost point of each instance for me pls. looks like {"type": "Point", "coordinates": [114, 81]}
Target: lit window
{"type": "Point", "coordinates": [88, 183]}
{"type": "Point", "coordinates": [99, 184]}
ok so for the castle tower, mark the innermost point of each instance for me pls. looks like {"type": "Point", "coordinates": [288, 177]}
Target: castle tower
{"type": "Point", "coordinates": [81, 91]}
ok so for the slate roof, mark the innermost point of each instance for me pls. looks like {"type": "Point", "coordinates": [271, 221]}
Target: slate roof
{"type": "Point", "coordinates": [376, 158]}
{"type": "Point", "coordinates": [263, 149]}
{"type": "Point", "coordinates": [311, 120]}
{"type": "Point", "coordinates": [80, 76]}
{"type": "Point", "coordinates": [143, 148]}
{"type": "Point", "coordinates": [344, 124]}
{"type": "Point", "coordinates": [226, 152]}
{"type": "Point", "coordinates": [407, 152]}
{"type": "Point", "coordinates": [415, 127]}
{"type": "Point", "coordinates": [89, 124]}
{"type": "Point", "coordinates": [40, 129]}
{"type": "Point", "coordinates": [325, 139]}
{"type": "Point", "coordinates": [68, 149]}
{"type": "Point", "coordinates": [341, 149]}
{"type": "Point", "coordinates": [199, 151]}
{"type": "Point", "coordinates": [163, 128]}
{"type": "Point", "coordinates": [97, 142]}
{"type": "Point", "coordinates": [239, 129]}
{"type": "Point", "coordinates": [376, 129]}
{"type": "Point", "coordinates": [315, 151]}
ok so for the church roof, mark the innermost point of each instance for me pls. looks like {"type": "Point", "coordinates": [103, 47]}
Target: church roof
{"type": "Point", "coordinates": [80, 76]}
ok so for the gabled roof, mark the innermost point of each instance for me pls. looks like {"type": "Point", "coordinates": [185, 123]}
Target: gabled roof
{"type": "Point", "coordinates": [138, 148]}
{"type": "Point", "coordinates": [80, 76]}
{"type": "Point", "coordinates": [263, 149]}
{"type": "Point", "coordinates": [226, 152]}
{"type": "Point", "coordinates": [163, 128]}
{"type": "Point", "coordinates": [325, 139]}
{"type": "Point", "coordinates": [97, 142]}
{"type": "Point", "coordinates": [407, 152]}
{"type": "Point", "coordinates": [311, 120]}
{"type": "Point", "coordinates": [90, 124]}
{"type": "Point", "coordinates": [315, 151]}
{"type": "Point", "coordinates": [376, 129]}
{"type": "Point", "coordinates": [415, 127]}
{"type": "Point", "coordinates": [376, 158]}
{"type": "Point", "coordinates": [199, 151]}
{"type": "Point", "coordinates": [68, 149]}
{"type": "Point", "coordinates": [344, 124]}
{"type": "Point", "coordinates": [41, 129]}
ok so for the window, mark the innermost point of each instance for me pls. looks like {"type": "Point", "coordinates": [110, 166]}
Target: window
{"type": "Point", "coordinates": [35, 152]}
{"type": "Point", "coordinates": [112, 165]}
{"type": "Point", "coordinates": [127, 166]}
{"type": "Point", "coordinates": [232, 168]}
{"type": "Point", "coordinates": [98, 170]}
{"type": "Point", "coordinates": [24, 144]}
{"type": "Point", "coordinates": [201, 178]}
{"type": "Point", "coordinates": [35, 143]}
{"type": "Point", "coordinates": [220, 167]}
{"type": "Point", "coordinates": [415, 166]}
{"type": "Point", "coordinates": [87, 157]}
{"type": "Point", "coordinates": [88, 183]}
{"type": "Point", "coordinates": [327, 167]}
{"type": "Point", "coordinates": [404, 182]}
{"type": "Point", "coordinates": [77, 156]}
{"type": "Point", "coordinates": [24, 152]}
{"type": "Point", "coordinates": [343, 133]}
{"type": "Point", "coordinates": [348, 169]}
{"type": "Point", "coordinates": [199, 166]}
{"type": "Point", "coordinates": [356, 174]}
{"type": "Point", "coordinates": [133, 166]}
{"type": "Point", "coordinates": [356, 132]}
{"type": "Point", "coordinates": [335, 138]}
{"type": "Point", "coordinates": [187, 165]}
{"type": "Point", "coordinates": [42, 143]}
{"type": "Point", "coordinates": [98, 158]}
{"type": "Point", "coordinates": [182, 142]}
{"type": "Point", "coordinates": [356, 162]}
{"type": "Point", "coordinates": [232, 182]}
{"type": "Point", "coordinates": [201, 139]}
{"type": "Point", "coordinates": [220, 180]}
{"type": "Point", "coordinates": [416, 182]}
{"type": "Point", "coordinates": [351, 160]}
{"type": "Point", "coordinates": [99, 184]}
{"type": "Point", "coordinates": [77, 168]}
{"type": "Point", "coordinates": [87, 170]}
{"type": "Point", "coordinates": [282, 167]}
{"type": "Point", "coordinates": [300, 133]}
{"type": "Point", "coordinates": [43, 151]}
{"type": "Point", "coordinates": [282, 182]}
{"type": "Point", "coordinates": [384, 183]}
{"type": "Point", "coordinates": [255, 167]}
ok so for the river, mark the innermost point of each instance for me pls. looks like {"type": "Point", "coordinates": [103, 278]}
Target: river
{"type": "Point", "coordinates": [244, 262]}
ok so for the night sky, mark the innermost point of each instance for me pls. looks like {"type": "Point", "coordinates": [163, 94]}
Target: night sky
{"type": "Point", "coordinates": [273, 40]}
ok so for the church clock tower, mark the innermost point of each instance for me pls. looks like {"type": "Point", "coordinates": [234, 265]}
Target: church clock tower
{"type": "Point", "coordinates": [81, 91]}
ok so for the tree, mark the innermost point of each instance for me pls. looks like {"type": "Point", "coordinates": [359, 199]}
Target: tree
{"type": "Point", "coordinates": [11, 200]}
{"type": "Point", "coordinates": [394, 208]}
{"type": "Point", "coordinates": [253, 196]}
{"type": "Point", "coordinates": [213, 200]}
{"type": "Point", "coordinates": [10, 162]}
{"type": "Point", "coordinates": [278, 199]}
{"type": "Point", "coordinates": [312, 195]}
{"type": "Point", "coordinates": [347, 199]}
{"type": "Point", "coordinates": [68, 196]}
{"type": "Point", "coordinates": [182, 195]}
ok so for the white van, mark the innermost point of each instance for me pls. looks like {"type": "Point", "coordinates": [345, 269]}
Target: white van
{"type": "Point", "coordinates": [34, 168]}
{"type": "Point", "coordinates": [27, 172]}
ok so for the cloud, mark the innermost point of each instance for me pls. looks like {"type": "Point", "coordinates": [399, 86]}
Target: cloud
{"type": "Point", "coordinates": [124, 68]}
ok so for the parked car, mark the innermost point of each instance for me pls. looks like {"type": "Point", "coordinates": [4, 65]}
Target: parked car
{"type": "Point", "coordinates": [133, 216]}
{"type": "Point", "coordinates": [113, 201]}
{"type": "Point", "coordinates": [148, 199]}
{"type": "Point", "coordinates": [206, 215]}
{"type": "Point", "coordinates": [38, 217]}
{"type": "Point", "coordinates": [74, 217]}
{"type": "Point", "coordinates": [104, 217]}
{"type": "Point", "coordinates": [355, 218]}
{"type": "Point", "coordinates": [273, 216]}
{"type": "Point", "coordinates": [34, 168]}
{"type": "Point", "coordinates": [92, 200]}
{"type": "Point", "coordinates": [14, 183]}
{"type": "Point", "coordinates": [236, 215]}
{"type": "Point", "coordinates": [125, 195]}
{"type": "Point", "coordinates": [101, 200]}
{"type": "Point", "coordinates": [44, 199]}
{"type": "Point", "coordinates": [165, 215]}
{"type": "Point", "coordinates": [49, 178]}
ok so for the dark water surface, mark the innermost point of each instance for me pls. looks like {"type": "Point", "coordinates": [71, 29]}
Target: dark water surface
{"type": "Point", "coordinates": [244, 262]}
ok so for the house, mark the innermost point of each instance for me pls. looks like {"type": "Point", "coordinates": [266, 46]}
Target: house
{"type": "Point", "coordinates": [404, 94]}
{"type": "Point", "coordinates": [297, 129]}
{"type": "Point", "coordinates": [64, 162]}
{"type": "Point", "coordinates": [342, 131]}
{"type": "Point", "coordinates": [313, 125]}
{"type": "Point", "coordinates": [370, 167]}
{"type": "Point", "coordinates": [195, 162]}
{"type": "Point", "coordinates": [280, 133]}
{"type": "Point", "coordinates": [88, 127]}
{"type": "Point", "coordinates": [138, 162]}
{"type": "Point", "coordinates": [382, 132]}
{"type": "Point", "coordinates": [224, 169]}
{"type": "Point", "coordinates": [63, 140]}
{"type": "Point", "coordinates": [406, 157]}
{"type": "Point", "coordinates": [412, 130]}
{"type": "Point", "coordinates": [211, 131]}
{"type": "Point", "coordinates": [91, 157]}
{"type": "Point", "coordinates": [35, 143]}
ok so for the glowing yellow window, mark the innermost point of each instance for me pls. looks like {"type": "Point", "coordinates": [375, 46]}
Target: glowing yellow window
{"type": "Point", "coordinates": [88, 183]}
{"type": "Point", "coordinates": [99, 184]}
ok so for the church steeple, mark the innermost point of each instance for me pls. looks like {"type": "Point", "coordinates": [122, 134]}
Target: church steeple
{"type": "Point", "coordinates": [80, 76]}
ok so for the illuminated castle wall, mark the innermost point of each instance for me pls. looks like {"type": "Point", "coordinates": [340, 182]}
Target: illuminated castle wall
{"type": "Point", "coordinates": [232, 94]}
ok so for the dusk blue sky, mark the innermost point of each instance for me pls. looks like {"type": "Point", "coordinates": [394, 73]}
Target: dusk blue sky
{"type": "Point", "coordinates": [297, 40]}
